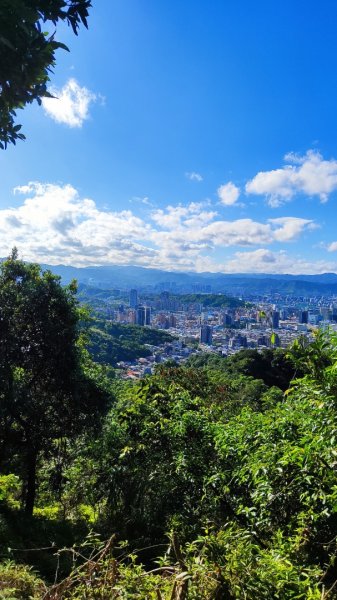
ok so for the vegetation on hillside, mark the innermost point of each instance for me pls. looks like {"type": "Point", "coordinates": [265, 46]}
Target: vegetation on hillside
{"type": "Point", "coordinates": [199, 482]}
{"type": "Point", "coordinates": [212, 300]}
{"type": "Point", "coordinates": [274, 367]}
{"type": "Point", "coordinates": [110, 343]}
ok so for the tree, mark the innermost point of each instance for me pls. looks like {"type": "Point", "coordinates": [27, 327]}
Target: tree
{"type": "Point", "coordinates": [27, 54]}
{"type": "Point", "coordinates": [46, 390]}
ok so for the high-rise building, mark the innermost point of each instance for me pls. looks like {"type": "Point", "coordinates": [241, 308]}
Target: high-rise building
{"type": "Point", "coordinates": [206, 334]}
{"type": "Point", "coordinates": [238, 341]}
{"type": "Point", "coordinates": [275, 319]}
{"type": "Point", "coordinates": [143, 315]}
{"type": "Point", "coordinates": [304, 317]}
{"type": "Point", "coordinates": [147, 315]}
{"type": "Point", "coordinates": [172, 321]}
{"type": "Point", "coordinates": [140, 315]}
{"type": "Point", "coordinates": [227, 320]}
{"type": "Point", "coordinates": [133, 298]}
{"type": "Point", "coordinates": [165, 301]}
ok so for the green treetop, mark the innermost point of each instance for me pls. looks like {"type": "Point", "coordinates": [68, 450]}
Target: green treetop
{"type": "Point", "coordinates": [27, 53]}
{"type": "Point", "coordinates": [46, 391]}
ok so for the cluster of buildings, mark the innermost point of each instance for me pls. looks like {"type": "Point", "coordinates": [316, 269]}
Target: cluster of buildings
{"type": "Point", "coordinates": [175, 351]}
{"type": "Point", "coordinates": [134, 314]}
{"type": "Point", "coordinates": [222, 330]}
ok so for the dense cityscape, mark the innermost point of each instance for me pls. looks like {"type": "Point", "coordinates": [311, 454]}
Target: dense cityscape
{"type": "Point", "coordinates": [265, 322]}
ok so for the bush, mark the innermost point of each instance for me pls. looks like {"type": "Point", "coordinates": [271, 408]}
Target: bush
{"type": "Point", "coordinates": [19, 582]}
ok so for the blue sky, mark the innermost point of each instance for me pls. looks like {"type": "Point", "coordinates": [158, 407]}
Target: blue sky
{"type": "Point", "coordinates": [186, 136]}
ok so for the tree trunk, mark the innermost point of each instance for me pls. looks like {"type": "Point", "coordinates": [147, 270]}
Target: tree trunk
{"type": "Point", "coordinates": [31, 481]}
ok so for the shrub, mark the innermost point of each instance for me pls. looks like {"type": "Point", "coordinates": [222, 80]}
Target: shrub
{"type": "Point", "coordinates": [18, 582]}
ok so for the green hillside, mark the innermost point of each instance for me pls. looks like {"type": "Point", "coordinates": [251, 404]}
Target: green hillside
{"type": "Point", "coordinates": [211, 300]}
{"type": "Point", "coordinates": [110, 343]}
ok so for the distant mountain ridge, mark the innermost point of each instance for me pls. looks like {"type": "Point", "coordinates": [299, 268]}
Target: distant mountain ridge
{"type": "Point", "coordinates": [127, 277]}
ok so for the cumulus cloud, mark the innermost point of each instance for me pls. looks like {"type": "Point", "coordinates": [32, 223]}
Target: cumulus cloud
{"type": "Point", "coordinates": [70, 104]}
{"type": "Point", "coordinates": [309, 174]}
{"type": "Point", "coordinates": [192, 224]}
{"type": "Point", "coordinates": [228, 193]}
{"type": "Point", "coordinates": [288, 229]}
{"type": "Point", "coordinates": [191, 241]}
{"type": "Point", "coordinates": [174, 217]}
{"type": "Point", "coordinates": [332, 247]}
{"type": "Point", "coordinates": [193, 176]}
{"type": "Point", "coordinates": [266, 261]}
{"type": "Point", "coordinates": [54, 224]}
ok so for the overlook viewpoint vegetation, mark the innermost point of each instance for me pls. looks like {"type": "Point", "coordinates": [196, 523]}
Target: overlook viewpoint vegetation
{"type": "Point", "coordinates": [169, 162]}
{"type": "Point", "coordinates": [213, 480]}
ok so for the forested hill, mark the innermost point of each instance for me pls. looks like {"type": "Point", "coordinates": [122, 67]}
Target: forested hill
{"type": "Point", "coordinates": [110, 343]}
{"type": "Point", "coordinates": [273, 367]}
{"type": "Point", "coordinates": [211, 300]}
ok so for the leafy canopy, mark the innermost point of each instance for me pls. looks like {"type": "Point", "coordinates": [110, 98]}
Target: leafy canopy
{"type": "Point", "coordinates": [27, 54]}
{"type": "Point", "coordinates": [48, 387]}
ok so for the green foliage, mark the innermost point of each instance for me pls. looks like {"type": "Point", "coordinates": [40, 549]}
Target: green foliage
{"type": "Point", "coordinates": [9, 487]}
{"type": "Point", "coordinates": [34, 540]}
{"type": "Point", "coordinates": [18, 582]}
{"type": "Point", "coordinates": [208, 360]}
{"type": "Point", "coordinates": [263, 476]}
{"type": "Point", "coordinates": [274, 367]}
{"type": "Point", "coordinates": [243, 474]}
{"type": "Point", "coordinates": [110, 343]}
{"type": "Point", "coordinates": [158, 460]}
{"type": "Point", "coordinates": [27, 54]}
{"type": "Point", "coordinates": [155, 454]}
{"type": "Point", "coordinates": [211, 300]}
{"type": "Point", "coordinates": [48, 386]}
{"type": "Point", "coordinates": [313, 358]}
{"type": "Point", "coordinates": [241, 569]}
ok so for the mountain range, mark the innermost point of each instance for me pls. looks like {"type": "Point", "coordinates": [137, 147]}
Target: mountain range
{"type": "Point", "coordinates": [155, 280]}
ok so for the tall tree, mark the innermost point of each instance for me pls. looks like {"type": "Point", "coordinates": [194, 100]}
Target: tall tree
{"type": "Point", "coordinates": [46, 392]}
{"type": "Point", "coordinates": [27, 53]}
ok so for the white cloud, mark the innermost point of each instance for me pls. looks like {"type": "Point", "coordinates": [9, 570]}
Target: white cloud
{"type": "Point", "coordinates": [184, 224]}
{"type": "Point", "coordinates": [174, 217]}
{"type": "Point", "coordinates": [309, 174]}
{"type": "Point", "coordinates": [70, 104]}
{"type": "Point", "coordinates": [54, 224]}
{"type": "Point", "coordinates": [142, 200]}
{"type": "Point", "coordinates": [228, 193]}
{"type": "Point", "coordinates": [289, 229]}
{"type": "Point", "coordinates": [266, 261]}
{"type": "Point", "coordinates": [332, 247]}
{"type": "Point", "coordinates": [193, 176]}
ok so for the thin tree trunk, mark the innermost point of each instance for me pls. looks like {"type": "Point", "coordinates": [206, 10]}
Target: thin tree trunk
{"type": "Point", "coordinates": [31, 481]}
